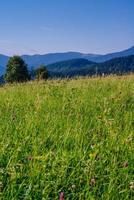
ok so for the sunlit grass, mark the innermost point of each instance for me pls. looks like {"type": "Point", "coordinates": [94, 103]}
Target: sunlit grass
{"type": "Point", "coordinates": [72, 136]}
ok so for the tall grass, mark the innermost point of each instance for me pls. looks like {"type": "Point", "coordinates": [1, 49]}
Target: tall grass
{"type": "Point", "coordinates": [71, 136]}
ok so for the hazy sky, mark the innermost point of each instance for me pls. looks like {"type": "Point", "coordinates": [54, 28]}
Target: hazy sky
{"type": "Point", "coordinates": [43, 26]}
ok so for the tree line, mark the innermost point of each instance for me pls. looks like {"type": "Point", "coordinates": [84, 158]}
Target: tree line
{"type": "Point", "coordinates": [17, 71]}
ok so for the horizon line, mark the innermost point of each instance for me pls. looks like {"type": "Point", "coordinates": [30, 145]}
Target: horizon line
{"type": "Point", "coordinates": [62, 52]}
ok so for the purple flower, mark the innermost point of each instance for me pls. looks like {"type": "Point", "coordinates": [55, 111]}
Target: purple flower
{"type": "Point", "coordinates": [62, 196]}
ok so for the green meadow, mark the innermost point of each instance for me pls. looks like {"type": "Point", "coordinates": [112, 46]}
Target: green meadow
{"type": "Point", "coordinates": [73, 135]}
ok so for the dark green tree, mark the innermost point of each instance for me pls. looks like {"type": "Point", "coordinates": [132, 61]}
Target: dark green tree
{"type": "Point", "coordinates": [16, 70]}
{"type": "Point", "coordinates": [41, 73]}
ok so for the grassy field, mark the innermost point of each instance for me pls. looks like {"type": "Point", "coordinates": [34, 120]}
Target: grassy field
{"type": "Point", "coordinates": [72, 136]}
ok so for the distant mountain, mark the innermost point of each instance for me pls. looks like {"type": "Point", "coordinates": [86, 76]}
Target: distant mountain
{"type": "Point", "coordinates": [107, 57]}
{"type": "Point", "coordinates": [3, 60]}
{"type": "Point", "coordinates": [120, 65]}
{"type": "Point", "coordinates": [2, 70]}
{"type": "Point", "coordinates": [47, 59]}
{"type": "Point", "coordinates": [37, 60]}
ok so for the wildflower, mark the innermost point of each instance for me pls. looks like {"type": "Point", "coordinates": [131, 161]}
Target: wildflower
{"type": "Point", "coordinates": [125, 164]}
{"type": "Point", "coordinates": [73, 186]}
{"type": "Point", "coordinates": [131, 185]}
{"type": "Point", "coordinates": [62, 196]}
{"type": "Point", "coordinates": [92, 146]}
{"type": "Point", "coordinates": [92, 182]}
{"type": "Point", "coordinates": [29, 158]}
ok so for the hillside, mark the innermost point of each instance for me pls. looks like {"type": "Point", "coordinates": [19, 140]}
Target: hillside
{"type": "Point", "coordinates": [116, 66]}
{"type": "Point", "coordinates": [71, 67]}
{"type": "Point", "coordinates": [71, 136]}
{"type": "Point", "coordinates": [82, 67]}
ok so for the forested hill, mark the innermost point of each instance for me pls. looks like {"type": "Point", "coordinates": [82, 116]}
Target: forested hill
{"type": "Point", "coordinates": [116, 66]}
{"type": "Point", "coordinates": [82, 67]}
{"type": "Point", "coordinates": [69, 65]}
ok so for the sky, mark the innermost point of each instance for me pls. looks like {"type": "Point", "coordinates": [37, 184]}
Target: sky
{"type": "Point", "coordinates": [49, 26]}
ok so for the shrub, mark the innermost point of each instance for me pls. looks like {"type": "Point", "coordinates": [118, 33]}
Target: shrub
{"type": "Point", "coordinates": [41, 73]}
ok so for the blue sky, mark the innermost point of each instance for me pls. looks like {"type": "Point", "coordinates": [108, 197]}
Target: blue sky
{"type": "Point", "coordinates": [44, 26]}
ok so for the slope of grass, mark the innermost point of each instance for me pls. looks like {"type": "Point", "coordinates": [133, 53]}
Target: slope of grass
{"type": "Point", "coordinates": [74, 136]}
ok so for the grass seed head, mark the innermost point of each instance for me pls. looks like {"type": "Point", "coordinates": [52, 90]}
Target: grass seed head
{"type": "Point", "coordinates": [1, 185]}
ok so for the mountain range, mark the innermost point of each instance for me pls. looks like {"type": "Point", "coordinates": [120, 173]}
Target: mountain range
{"type": "Point", "coordinates": [83, 67]}
{"type": "Point", "coordinates": [47, 59]}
